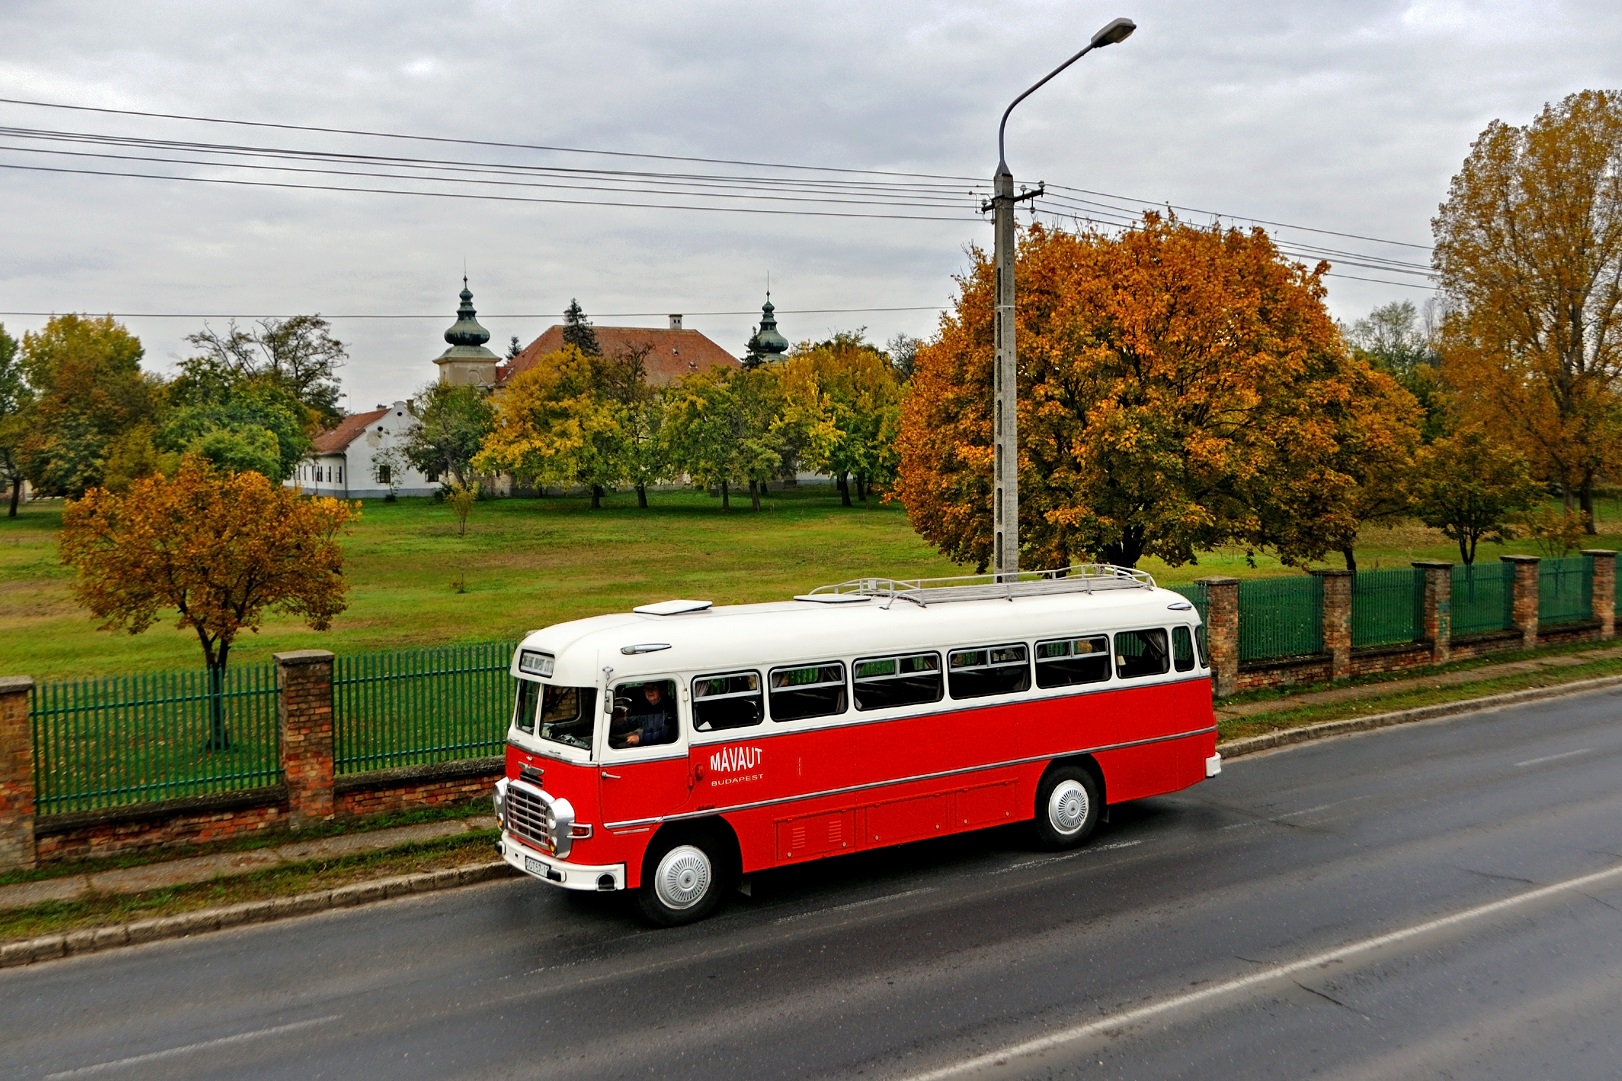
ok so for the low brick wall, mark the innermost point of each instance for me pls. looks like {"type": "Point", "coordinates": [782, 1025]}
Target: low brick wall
{"type": "Point", "coordinates": [156, 826]}
{"type": "Point", "coordinates": [1586, 631]}
{"type": "Point", "coordinates": [1288, 672]}
{"type": "Point", "coordinates": [1480, 645]}
{"type": "Point", "coordinates": [1374, 660]}
{"type": "Point", "coordinates": [367, 795]}
{"type": "Point", "coordinates": [182, 823]}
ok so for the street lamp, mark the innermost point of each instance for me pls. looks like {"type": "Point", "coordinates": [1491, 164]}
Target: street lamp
{"type": "Point", "coordinates": [1005, 500]}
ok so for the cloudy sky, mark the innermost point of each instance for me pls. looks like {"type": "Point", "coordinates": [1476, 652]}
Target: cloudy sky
{"type": "Point", "coordinates": [1342, 115]}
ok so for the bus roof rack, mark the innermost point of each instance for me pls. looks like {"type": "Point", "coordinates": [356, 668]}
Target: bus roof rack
{"type": "Point", "coordinates": [1078, 578]}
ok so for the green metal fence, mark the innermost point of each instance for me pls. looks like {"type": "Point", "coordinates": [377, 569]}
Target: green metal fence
{"type": "Point", "coordinates": [1483, 598]}
{"type": "Point", "coordinates": [410, 707]}
{"type": "Point", "coordinates": [1194, 593]}
{"type": "Point", "coordinates": [1280, 617]}
{"type": "Point", "coordinates": [1387, 606]}
{"type": "Point", "coordinates": [1565, 590]}
{"type": "Point", "coordinates": [119, 740]}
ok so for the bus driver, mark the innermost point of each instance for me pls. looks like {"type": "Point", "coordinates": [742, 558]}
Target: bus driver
{"type": "Point", "coordinates": [651, 719]}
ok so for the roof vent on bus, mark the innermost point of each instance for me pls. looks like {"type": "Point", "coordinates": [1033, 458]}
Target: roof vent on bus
{"type": "Point", "coordinates": [671, 608]}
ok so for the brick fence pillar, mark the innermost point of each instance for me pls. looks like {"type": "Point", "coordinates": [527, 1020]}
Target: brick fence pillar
{"type": "Point", "coordinates": [1222, 633]}
{"type": "Point", "coordinates": [1603, 561]}
{"type": "Point", "coordinates": [304, 708]}
{"type": "Point", "coordinates": [16, 775]}
{"type": "Point", "coordinates": [1337, 617]}
{"type": "Point", "coordinates": [1437, 608]}
{"type": "Point", "coordinates": [1524, 605]}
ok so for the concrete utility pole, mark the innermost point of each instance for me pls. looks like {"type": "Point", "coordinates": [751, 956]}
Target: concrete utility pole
{"type": "Point", "coordinates": [1005, 497]}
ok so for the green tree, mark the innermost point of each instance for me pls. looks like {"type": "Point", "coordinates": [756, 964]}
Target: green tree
{"type": "Point", "coordinates": [236, 420]}
{"type": "Point", "coordinates": [1393, 339]}
{"type": "Point", "coordinates": [620, 383]}
{"type": "Point", "coordinates": [16, 399]}
{"type": "Point", "coordinates": [699, 431]}
{"type": "Point", "coordinates": [450, 426]}
{"type": "Point", "coordinates": [1473, 489]}
{"type": "Point", "coordinates": [578, 331]}
{"type": "Point", "coordinates": [731, 427]}
{"type": "Point", "coordinates": [89, 389]}
{"type": "Point", "coordinates": [298, 353]}
{"type": "Point", "coordinates": [861, 399]}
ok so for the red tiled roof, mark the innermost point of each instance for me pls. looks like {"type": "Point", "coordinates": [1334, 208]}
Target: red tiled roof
{"type": "Point", "coordinates": [675, 353]}
{"type": "Point", "coordinates": [348, 430]}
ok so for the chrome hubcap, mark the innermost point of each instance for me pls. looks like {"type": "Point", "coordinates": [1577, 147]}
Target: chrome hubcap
{"type": "Point", "coordinates": [1068, 806]}
{"type": "Point", "coordinates": [683, 877]}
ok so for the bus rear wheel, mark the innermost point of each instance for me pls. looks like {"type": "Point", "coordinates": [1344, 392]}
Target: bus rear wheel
{"type": "Point", "coordinates": [1067, 806]}
{"type": "Point", "coordinates": [681, 881]}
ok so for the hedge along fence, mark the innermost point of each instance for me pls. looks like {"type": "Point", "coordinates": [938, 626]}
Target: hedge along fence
{"type": "Point", "coordinates": [122, 740]}
{"type": "Point", "coordinates": [413, 707]}
{"type": "Point", "coordinates": [1565, 590]}
{"type": "Point", "coordinates": [1280, 617]}
{"type": "Point", "coordinates": [1387, 606]}
{"type": "Point", "coordinates": [1483, 598]}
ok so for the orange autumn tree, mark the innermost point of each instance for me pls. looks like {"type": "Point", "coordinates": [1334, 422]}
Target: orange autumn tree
{"type": "Point", "coordinates": [1529, 249]}
{"type": "Point", "coordinates": [220, 549]}
{"type": "Point", "coordinates": [1179, 389]}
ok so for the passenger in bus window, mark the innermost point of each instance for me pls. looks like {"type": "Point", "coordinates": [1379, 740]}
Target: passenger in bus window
{"type": "Point", "coordinates": [644, 714]}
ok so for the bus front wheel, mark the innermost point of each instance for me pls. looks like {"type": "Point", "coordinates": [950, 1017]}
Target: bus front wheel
{"type": "Point", "coordinates": [681, 881]}
{"type": "Point", "coordinates": [1067, 806]}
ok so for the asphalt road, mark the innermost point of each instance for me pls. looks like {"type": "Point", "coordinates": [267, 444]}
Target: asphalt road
{"type": "Point", "coordinates": [1441, 900]}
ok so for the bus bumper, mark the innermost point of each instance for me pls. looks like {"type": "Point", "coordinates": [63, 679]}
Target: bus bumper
{"type": "Point", "coordinates": [1213, 765]}
{"type": "Point", "coordinates": [571, 876]}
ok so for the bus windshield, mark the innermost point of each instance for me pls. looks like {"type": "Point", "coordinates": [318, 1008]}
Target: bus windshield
{"type": "Point", "coordinates": [565, 714]}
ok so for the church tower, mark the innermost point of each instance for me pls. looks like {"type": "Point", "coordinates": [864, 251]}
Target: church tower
{"type": "Point", "coordinates": [467, 362]}
{"type": "Point", "coordinates": [766, 345]}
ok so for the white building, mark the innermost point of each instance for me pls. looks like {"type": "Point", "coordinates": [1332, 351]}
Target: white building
{"type": "Point", "coordinates": [363, 457]}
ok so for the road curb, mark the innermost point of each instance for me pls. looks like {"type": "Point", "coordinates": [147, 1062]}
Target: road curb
{"type": "Point", "coordinates": [1307, 733]}
{"type": "Point", "coordinates": [96, 939]}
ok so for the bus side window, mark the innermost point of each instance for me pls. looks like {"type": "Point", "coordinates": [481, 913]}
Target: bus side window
{"type": "Point", "coordinates": [977, 673]}
{"type": "Point", "coordinates": [644, 714]}
{"type": "Point", "coordinates": [1182, 649]}
{"type": "Point", "coordinates": [905, 680]}
{"type": "Point", "coordinates": [1141, 653]}
{"type": "Point", "coordinates": [1065, 662]}
{"type": "Point", "coordinates": [529, 692]}
{"type": "Point", "coordinates": [727, 701]}
{"type": "Point", "coordinates": [811, 690]}
{"type": "Point", "coordinates": [1199, 644]}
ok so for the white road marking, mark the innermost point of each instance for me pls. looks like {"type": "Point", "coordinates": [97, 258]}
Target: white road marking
{"type": "Point", "coordinates": [855, 904]}
{"type": "Point", "coordinates": [223, 1041]}
{"type": "Point", "coordinates": [1307, 810]}
{"type": "Point", "coordinates": [1553, 757]}
{"type": "Point", "coordinates": [1114, 1023]}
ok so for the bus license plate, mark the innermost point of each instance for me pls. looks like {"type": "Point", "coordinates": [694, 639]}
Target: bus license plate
{"type": "Point", "coordinates": [535, 866]}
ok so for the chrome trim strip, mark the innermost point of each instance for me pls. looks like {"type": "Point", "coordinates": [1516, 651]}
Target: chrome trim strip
{"type": "Point", "coordinates": [710, 811]}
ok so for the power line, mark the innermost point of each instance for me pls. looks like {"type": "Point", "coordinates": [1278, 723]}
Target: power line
{"type": "Point", "coordinates": [549, 148]}
{"type": "Point", "coordinates": [503, 315]}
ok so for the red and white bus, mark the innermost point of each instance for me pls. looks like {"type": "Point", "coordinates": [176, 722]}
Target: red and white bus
{"type": "Point", "coordinates": [676, 747]}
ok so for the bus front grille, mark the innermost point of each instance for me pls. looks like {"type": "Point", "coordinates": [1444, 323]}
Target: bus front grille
{"type": "Point", "coordinates": [530, 817]}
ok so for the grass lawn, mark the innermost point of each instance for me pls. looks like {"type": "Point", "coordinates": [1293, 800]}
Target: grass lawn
{"type": "Point", "coordinates": [526, 563]}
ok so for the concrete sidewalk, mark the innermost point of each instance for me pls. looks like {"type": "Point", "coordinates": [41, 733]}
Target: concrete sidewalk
{"type": "Point", "coordinates": [193, 869]}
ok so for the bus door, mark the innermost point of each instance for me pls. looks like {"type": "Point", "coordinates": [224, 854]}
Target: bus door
{"type": "Point", "coordinates": [644, 753]}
